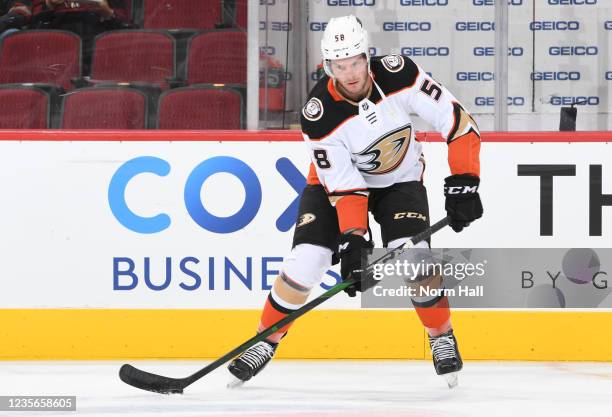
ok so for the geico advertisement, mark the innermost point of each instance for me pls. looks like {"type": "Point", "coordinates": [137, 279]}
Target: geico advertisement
{"type": "Point", "coordinates": [206, 225]}
{"type": "Point", "coordinates": [457, 45]}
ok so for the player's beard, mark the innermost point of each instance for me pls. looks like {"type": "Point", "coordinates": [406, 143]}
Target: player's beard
{"type": "Point", "coordinates": [357, 91]}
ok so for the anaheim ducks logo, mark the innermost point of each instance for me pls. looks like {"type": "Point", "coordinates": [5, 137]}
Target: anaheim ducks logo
{"type": "Point", "coordinates": [393, 63]}
{"type": "Point", "coordinates": [386, 153]}
{"type": "Point", "coordinates": [305, 219]}
{"type": "Point", "coordinates": [313, 110]}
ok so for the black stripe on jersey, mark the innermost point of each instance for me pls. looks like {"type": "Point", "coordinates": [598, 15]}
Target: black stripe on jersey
{"type": "Point", "coordinates": [334, 112]}
{"type": "Point", "coordinates": [359, 191]}
{"type": "Point", "coordinates": [389, 81]}
{"type": "Point", "coordinates": [427, 304]}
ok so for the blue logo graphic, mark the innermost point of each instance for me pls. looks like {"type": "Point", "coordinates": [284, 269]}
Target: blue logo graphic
{"type": "Point", "coordinates": [490, 51]}
{"type": "Point", "coordinates": [554, 25]}
{"type": "Point", "coordinates": [116, 194]}
{"type": "Point", "coordinates": [572, 2]}
{"type": "Point", "coordinates": [485, 26]}
{"type": "Point", "coordinates": [406, 26]}
{"type": "Point", "coordinates": [577, 100]}
{"type": "Point", "coordinates": [366, 3]}
{"type": "Point", "coordinates": [492, 2]}
{"type": "Point", "coordinates": [423, 2]}
{"type": "Point", "coordinates": [192, 274]}
{"type": "Point", "coordinates": [276, 26]}
{"type": "Point", "coordinates": [573, 50]}
{"type": "Point", "coordinates": [425, 51]}
{"type": "Point", "coordinates": [555, 76]}
{"type": "Point", "coordinates": [490, 101]}
{"type": "Point", "coordinates": [318, 26]}
{"type": "Point", "coordinates": [297, 181]}
{"type": "Point", "coordinates": [475, 76]}
{"type": "Point", "coordinates": [240, 170]}
{"type": "Point", "coordinates": [192, 192]}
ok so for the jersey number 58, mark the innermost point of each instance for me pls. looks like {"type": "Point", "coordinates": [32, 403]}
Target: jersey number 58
{"type": "Point", "coordinates": [320, 156]}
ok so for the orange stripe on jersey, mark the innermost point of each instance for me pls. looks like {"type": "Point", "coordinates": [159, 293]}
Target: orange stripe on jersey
{"type": "Point", "coordinates": [332, 90]}
{"type": "Point", "coordinates": [313, 178]}
{"type": "Point", "coordinates": [352, 212]}
{"type": "Point", "coordinates": [464, 155]}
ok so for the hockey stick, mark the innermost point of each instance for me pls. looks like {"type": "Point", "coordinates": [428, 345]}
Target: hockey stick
{"type": "Point", "coordinates": [166, 385]}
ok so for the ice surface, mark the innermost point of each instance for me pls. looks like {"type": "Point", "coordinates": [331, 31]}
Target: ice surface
{"type": "Point", "coordinates": [325, 389]}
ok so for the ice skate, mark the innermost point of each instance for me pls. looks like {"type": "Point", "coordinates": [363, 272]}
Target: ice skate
{"type": "Point", "coordinates": [446, 358]}
{"type": "Point", "coordinates": [250, 363]}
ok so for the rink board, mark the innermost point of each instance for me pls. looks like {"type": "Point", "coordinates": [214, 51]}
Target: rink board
{"type": "Point", "coordinates": [67, 241]}
{"type": "Point", "coordinates": [325, 334]}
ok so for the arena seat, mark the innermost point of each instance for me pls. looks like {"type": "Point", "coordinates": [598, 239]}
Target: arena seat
{"type": "Point", "coordinates": [217, 57]}
{"type": "Point", "coordinates": [40, 56]}
{"type": "Point", "coordinates": [104, 108]}
{"type": "Point", "coordinates": [201, 107]}
{"type": "Point", "coordinates": [134, 55]}
{"type": "Point", "coordinates": [241, 12]}
{"type": "Point", "coordinates": [24, 107]}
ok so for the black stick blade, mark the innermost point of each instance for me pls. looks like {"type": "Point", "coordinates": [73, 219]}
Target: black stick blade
{"type": "Point", "coordinates": [150, 382]}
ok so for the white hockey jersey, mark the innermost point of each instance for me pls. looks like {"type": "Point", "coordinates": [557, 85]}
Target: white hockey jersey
{"type": "Point", "coordinates": [371, 144]}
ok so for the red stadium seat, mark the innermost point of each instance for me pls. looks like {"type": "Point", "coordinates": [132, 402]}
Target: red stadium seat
{"type": "Point", "coordinates": [241, 14]}
{"type": "Point", "coordinates": [24, 107]}
{"type": "Point", "coordinates": [129, 4]}
{"type": "Point", "coordinates": [200, 108]}
{"type": "Point", "coordinates": [134, 55]}
{"type": "Point", "coordinates": [104, 108]}
{"type": "Point", "coordinates": [217, 57]}
{"type": "Point", "coordinates": [181, 14]}
{"type": "Point", "coordinates": [40, 56]}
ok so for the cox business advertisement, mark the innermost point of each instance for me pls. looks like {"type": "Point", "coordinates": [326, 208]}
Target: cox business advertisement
{"type": "Point", "coordinates": [205, 225]}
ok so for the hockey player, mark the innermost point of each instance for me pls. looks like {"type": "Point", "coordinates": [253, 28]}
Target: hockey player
{"type": "Point", "coordinates": [357, 126]}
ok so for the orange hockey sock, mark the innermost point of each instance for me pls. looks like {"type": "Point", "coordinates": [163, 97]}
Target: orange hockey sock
{"type": "Point", "coordinates": [435, 317]}
{"type": "Point", "coordinates": [272, 312]}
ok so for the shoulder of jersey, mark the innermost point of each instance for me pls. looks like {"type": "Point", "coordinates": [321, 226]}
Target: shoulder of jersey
{"type": "Point", "coordinates": [394, 72]}
{"type": "Point", "coordinates": [322, 114]}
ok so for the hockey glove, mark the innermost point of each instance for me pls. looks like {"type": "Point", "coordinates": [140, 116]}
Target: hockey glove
{"type": "Point", "coordinates": [350, 260]}
{"type": "Point", "coordinates": [463, 204]}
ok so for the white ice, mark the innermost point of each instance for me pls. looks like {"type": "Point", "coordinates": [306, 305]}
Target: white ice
{"type": "Point", "coordinates": [325, 389]}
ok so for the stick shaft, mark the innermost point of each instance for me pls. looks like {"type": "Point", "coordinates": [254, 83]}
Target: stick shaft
{"type": "Point", "coordinates": [308, 306]}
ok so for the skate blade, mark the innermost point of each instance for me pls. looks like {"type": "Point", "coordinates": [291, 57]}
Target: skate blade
{"type": "Point", "coordinates": [452, 379]}
{"type": "Point", "coordinates": [234, 383]}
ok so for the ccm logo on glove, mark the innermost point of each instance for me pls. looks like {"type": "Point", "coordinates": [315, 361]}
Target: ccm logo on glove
{"type": "Point", "coordinates": [461, 190]}
{"type": "Point", "coordinates": [463, 204]}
